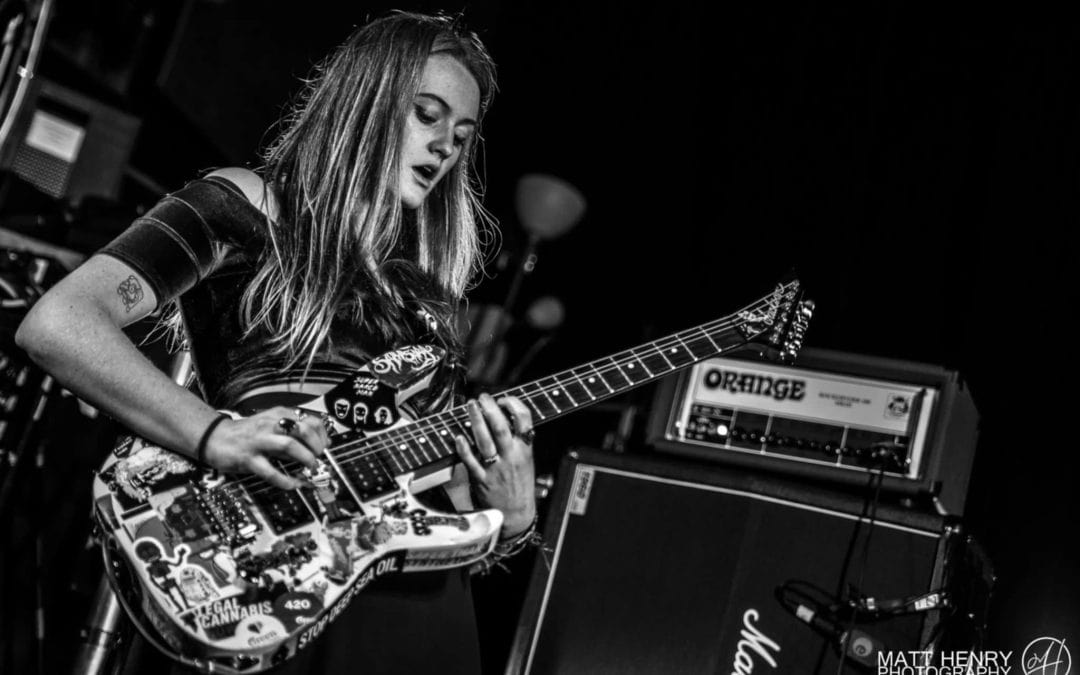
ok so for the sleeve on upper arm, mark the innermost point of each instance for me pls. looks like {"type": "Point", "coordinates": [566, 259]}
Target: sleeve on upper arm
{"type": "Point", "coordinates": [179, 241]}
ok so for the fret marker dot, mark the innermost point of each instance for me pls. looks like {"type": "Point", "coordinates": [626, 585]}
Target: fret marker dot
{"type": "Point", "coordinates": [402, 446]}
{"type": "Point", "coordinates": [423, 440]}
{"type": "Point", "coordinates": [556, 392]}
{"type": "Point", "coordinates": [630, 365]}
{"type": "Point", "coordinates": [674, 349]}
{"type": "Point", "coordinates": [443, 432]}
{"type": "Point", "coordinates": [592, 379]}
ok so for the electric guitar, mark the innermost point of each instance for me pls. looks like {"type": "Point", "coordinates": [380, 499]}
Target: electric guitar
{"type": "Point", "coordinates": [228, 574]}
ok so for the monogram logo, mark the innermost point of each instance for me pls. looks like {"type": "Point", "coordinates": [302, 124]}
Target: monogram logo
{"type": "Point", "coordinates": [1046, 656]}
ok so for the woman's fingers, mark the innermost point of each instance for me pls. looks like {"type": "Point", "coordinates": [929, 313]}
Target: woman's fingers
{"type": "Point", "coordinates": [294, 449]}
{"type": "Point", "coordinates": [305, 427]}
{"type": "Point", "coordinates": [262, 467]}
{"type": "Point", "coordinates": [519, 413]}
{"type": "Point", "coordinates": [468, 458]}
{"type": "Point", "coordinates": [311, 432]}
{"type": "Point", "coordinates": [497, 423]}
{"type": "Point", "coordinates": [251, 443]}
{"type": "Point", "coordinates": [485, 444]}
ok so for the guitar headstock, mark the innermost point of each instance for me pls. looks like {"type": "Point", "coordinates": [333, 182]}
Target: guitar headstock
{"type": "Point", "coordinates": [776, 325]}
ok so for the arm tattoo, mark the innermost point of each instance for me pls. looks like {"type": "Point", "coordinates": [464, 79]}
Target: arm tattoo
{"type": "Point", "coordinates": [130, 292]}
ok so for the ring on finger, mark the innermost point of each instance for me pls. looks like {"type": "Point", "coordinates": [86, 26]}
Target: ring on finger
{"type": "Point", "coordinates": [488, 461]}
{"type": "Point", "coordinates": [300, 414]}
{"type": "Point", "coordinates": [287, 425]}
{"type": "Point", "coordinates": [527, 436]}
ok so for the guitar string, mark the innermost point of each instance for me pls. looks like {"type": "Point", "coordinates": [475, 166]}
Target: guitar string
{"type": "Point", "coordinates": [380, 445]}
{"type": "Point", "coordinates": [413, 431]}
{"type": "Point", "coordinates": [615, 365]}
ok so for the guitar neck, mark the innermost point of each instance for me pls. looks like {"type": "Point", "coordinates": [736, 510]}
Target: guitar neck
{"type": "Point", "coordinates": [571, 390]}
{"type": "Point", "coordinates": [431, 439]}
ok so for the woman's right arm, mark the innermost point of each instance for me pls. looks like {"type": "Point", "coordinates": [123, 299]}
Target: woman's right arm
{"type": "Point", "coordinates": [74, 332]}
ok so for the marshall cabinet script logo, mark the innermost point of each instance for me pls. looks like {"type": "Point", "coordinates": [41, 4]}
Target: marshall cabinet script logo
{"type": "Point", "coordinates": [753, 643]}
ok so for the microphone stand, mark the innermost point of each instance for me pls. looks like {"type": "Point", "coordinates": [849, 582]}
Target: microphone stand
{"type": "Point", "coordinates": [101, 634]}
{"type": "Point", "coordinates": [489, 370]}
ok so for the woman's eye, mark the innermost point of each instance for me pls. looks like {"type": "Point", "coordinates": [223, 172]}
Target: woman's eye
{"type": "Point", "coordinates": [460, 141]}
{"type": "Point", "coordinates": [424, 116]}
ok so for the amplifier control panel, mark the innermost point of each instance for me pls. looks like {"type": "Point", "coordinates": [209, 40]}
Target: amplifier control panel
{"type": "Point", "coordinates": [878, 417]}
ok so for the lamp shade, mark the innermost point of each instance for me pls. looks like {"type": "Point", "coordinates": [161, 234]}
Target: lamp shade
{"type": "Point", "coordinates": [548, 206]}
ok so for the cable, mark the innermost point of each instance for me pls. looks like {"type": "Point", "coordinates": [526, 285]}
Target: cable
{"type": "Point", "coordinates": [875, 480]}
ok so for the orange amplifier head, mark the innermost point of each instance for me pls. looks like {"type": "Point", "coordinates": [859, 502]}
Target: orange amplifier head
{"type": "Point", "coordinates": [835, 417]}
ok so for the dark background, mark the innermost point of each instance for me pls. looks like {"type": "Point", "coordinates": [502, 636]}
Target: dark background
{"type": "Point", "coordinates": [918, 166]}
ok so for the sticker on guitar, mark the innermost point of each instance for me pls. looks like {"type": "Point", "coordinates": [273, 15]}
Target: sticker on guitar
{"type": "Point", "coordinates": [416, 357]}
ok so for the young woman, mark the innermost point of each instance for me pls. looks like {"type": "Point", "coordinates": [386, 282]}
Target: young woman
{"type": "Point", "coordinates": [359, 233]}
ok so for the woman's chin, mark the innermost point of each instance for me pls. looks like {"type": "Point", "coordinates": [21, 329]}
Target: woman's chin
{"type": "Point", "coordinates": [411, 201]}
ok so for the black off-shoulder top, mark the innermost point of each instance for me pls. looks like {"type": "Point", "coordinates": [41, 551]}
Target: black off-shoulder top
{"type": "Point", "coordinates": [198, 246]}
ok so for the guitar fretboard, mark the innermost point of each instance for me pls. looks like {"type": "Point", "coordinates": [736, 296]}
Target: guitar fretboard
{"type": "Point", "coordinates": [372, 463]}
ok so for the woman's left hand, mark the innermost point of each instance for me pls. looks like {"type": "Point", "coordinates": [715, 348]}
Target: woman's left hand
{"type": "Point", "coordinates": [501, 465]}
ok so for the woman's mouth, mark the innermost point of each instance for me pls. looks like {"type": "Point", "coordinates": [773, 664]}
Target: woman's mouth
{"type": "Point", "coordinates": [425, 173]}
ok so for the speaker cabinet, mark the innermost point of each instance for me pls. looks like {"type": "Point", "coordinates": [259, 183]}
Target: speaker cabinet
{"type": "Point", "coordinates": [69, 145]}
{"type": "Point", "coordinates": [664, 566]}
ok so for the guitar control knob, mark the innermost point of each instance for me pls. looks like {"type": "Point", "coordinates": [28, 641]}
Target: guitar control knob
{"type": "Point", "coordinates": [544, 484]}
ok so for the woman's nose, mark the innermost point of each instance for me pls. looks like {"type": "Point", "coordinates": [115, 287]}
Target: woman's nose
{"type": "Point", "coordinates": [443, 143]}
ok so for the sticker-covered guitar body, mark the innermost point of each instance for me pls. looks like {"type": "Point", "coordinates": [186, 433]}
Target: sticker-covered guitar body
{"type": "Point", "coordinates": [228, 574]}
{"type": "Point", "coordinates": [233, 572]}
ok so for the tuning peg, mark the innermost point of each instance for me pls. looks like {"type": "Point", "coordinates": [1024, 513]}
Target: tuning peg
{"type": "Point", "coordinates": [806, 308]}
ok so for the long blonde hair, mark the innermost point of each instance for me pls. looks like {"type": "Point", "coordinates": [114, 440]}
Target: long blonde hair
{"type": "Point", "coordinates": [342, 243]}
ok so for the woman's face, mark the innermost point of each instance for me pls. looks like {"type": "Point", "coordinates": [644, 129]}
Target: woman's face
{"type": "Point", "coordinates": [439, 126]}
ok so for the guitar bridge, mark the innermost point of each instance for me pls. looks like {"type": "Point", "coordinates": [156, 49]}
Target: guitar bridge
{"type": "Point", "coordinates": [229, 515]}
